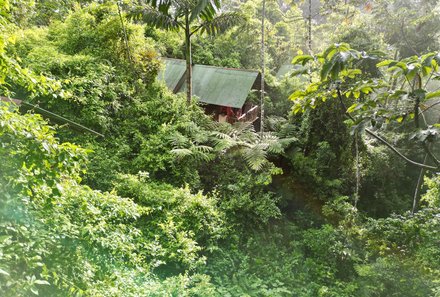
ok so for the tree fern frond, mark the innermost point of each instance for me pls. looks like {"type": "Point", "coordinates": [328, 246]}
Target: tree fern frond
{"type": "Point", "coordinates": [274, 123]}
{"type": "Point", "coordinates": [224, 144]}
{"type": "Point", "coordinates": [287, 130]}
{"type": "Point", "coordinates": [202, 153]}
{"type": "Point", "coordinates": [223, 128]}
{"type": "Point", "coordinates": [269, 137]}
{"type": "Point", "coordinates": [203, 148]}
{"type": "Point", "coordinates": [220, 135]}
{"type": "Point", "coordinates": [204, 157]}
{"type": "Point", "coordinates": [181, 153]}
{"type": "Point", "coordinates": [177, 139]}
{"type": "Point", "coordinates": [201, 137]}
{"type": "Point", "coordinates": [255, 157]}
{"type": "Point", "coordinates": [191, 127]}
{"type": "Point", "coordinates": [275, 148]}
{"type": "Point", "coordinates": [243, 126]}
{"type": "Point", "coordinates": [288, 141]}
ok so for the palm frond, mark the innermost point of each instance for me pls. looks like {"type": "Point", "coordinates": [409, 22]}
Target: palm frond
{"type": "Point", "coordinates": [220, 23]}
{"type": "Point", "coordinates": [181, 7]}
{"type": "Point", "coordinates": [204, 8]}
{"type": "Point", "coordinates": [159, 18]}
{"type": "Point", "coordinates": [162, 5]}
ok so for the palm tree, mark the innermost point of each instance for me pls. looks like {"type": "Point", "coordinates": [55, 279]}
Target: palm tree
{"type": "Point", "coordinates": [191, 16]}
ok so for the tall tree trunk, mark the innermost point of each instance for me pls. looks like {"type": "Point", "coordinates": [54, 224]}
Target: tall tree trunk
{"type": "Point", "coordinates": [263, 65]}
{"type": "Point", "coordinates": [358, 170]}
{"type": "Point", "coordinates": [416, 197]}
{"type": "Point", "coordinates": [309, 29]}
{"type": "Point", "coordinates": [188, 57]}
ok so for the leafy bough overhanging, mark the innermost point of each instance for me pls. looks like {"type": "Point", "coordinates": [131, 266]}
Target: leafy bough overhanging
{"type": "Point", "coordinates": [398, 94]}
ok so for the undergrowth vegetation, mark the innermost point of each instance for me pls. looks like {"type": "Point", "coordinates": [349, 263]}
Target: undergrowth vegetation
{"type": "Point", "coordinates": [339, 196]}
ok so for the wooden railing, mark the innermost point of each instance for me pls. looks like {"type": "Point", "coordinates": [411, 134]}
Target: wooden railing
{"type": "Point", "coordinates": [251, 115]}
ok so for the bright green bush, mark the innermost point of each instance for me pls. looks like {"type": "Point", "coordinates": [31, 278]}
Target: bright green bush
{"type": "Point", "coordinates": [56, 235]}
{"type": "Point", "coordinates": [179, 227]}
{"type": "Point", "coordinates": [60, 238]}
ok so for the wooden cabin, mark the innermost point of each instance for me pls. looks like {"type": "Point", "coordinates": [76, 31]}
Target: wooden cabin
{"type": "Point", "coordinates": [223, 91]}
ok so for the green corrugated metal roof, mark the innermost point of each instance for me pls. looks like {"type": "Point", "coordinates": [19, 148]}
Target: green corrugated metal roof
{"type": "Point", "coordinates": [222, 86]}
{"type": "Point", "coordinates": [173, 72]}
{"type": "Point", "coordinates": [213, 85]}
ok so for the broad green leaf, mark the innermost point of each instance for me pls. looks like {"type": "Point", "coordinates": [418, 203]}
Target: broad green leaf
{"type": "Point", "coordinates": [385, 63]}
{"type": "Point", "coordinates": [351, 73]}
{"type": "Point", "coordinates": [352, 108]}
{"type": "Point", "coordinates": [330, 53]}
{"type": "Point", "coordinates": [356, 94]}
{"type": "Point", "coordinates": [326, 69]}
{"type": "Point", "coordinates": [432, 94]}
{"type": "Point", "coordinates": [366, 90]}
{"type": "Point", "coordinates": [303, 59]}
{"type": "Point", "coordinates": [427, 59]}
{"type": "Point", "coordinates": [413, 69]}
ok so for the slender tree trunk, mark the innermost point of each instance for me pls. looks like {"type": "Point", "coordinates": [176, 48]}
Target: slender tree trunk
{"type": "Point", "coordinates": [419, 187]}
{"type": "Point", "coordinates": [263, 65]}
{"type": "Point", "coordinates": [309, 29]}
{"type": "Point", "coordinates": [358, 170]}
{"type": "Point", "coordinates": [188, 57]}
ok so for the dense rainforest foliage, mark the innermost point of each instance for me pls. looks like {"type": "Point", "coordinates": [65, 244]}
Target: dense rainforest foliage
{"type": "Point", "coordinates": [338, 196]}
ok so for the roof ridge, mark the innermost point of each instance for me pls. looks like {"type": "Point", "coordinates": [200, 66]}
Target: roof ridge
{"type": "Point", "coordinates": [212, 66]}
